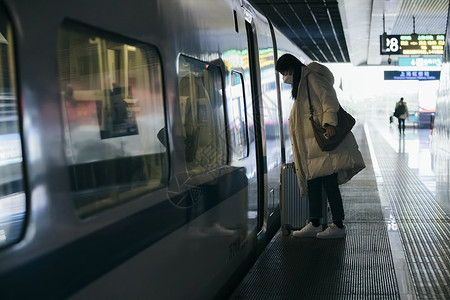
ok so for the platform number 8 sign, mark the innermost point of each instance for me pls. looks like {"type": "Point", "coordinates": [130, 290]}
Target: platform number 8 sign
{"type": "Point", "coordinates": [389, 44]}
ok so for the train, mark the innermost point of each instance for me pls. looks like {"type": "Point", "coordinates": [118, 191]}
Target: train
{"type": "Point", "coordinates": [141, 146]}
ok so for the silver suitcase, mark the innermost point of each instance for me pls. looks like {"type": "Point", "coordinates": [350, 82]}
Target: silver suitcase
{"type": "Point", "coordinates": [294, 207]}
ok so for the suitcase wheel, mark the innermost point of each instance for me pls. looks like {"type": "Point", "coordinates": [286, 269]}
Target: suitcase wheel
{"type": "Point", "coordinates": [286, 229]}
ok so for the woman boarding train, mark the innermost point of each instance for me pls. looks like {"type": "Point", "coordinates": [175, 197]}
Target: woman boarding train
{"type": "Point", "coordinates": [316, 168]}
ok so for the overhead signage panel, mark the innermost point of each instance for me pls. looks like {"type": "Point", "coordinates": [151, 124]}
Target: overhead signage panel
{"type": "Point", "coordinates": [412, 75]}
{"type": "Point", "coordinates": [410, 44]}
{"type": "Point", "coordinates": [419, 62]}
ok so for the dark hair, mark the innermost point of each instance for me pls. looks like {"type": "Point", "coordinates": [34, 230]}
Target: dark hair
{"type": "Point", "coordinates": [289, 62]}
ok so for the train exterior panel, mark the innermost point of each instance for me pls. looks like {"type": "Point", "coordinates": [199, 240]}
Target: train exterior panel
{"type": "Point", "coordinates": [440, 137]}
{"type": "Point", "coordinates": [141, 147]}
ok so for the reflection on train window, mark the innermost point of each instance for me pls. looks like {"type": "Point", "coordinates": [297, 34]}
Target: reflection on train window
{"type": "Point", "coordinates": [12, 196]}
{"type": "Point", "coordinates": [113, 114]}
{"type": "Point", "coordinates": [237, 117]}
{"type": "Point", "coordinates": [202, 114]}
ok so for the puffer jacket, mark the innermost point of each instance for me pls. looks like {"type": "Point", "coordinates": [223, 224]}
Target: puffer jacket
{"type": "Point", "coordinates": [310, 161]}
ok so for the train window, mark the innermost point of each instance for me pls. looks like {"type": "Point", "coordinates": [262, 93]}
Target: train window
{"type": "Point", "coordinates": [12, 195]}
{"type": "Point", "coordinates": [237, 117]}
{"type": "Point", "coordinates": [202, 115]}
{"type": "Point", "coordinates": [113, 112]}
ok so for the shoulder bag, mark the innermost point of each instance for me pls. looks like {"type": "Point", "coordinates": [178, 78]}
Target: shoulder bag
{"type": "Point", "coordinates": [345, 124]}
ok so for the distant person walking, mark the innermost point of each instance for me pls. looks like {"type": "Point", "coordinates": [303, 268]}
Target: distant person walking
{"type": "Point", "coordinates": [401, 113]}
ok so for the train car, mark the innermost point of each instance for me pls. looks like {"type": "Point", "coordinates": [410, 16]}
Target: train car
{"type": "Point", "coordinates": [140, 148]}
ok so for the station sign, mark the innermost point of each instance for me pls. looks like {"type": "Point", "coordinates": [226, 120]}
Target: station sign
{"type": "Point", "coordinates": [412, 75]}
{"type": "Point", "coordinates": [412, 44]}
{"type": "Point", "coordinates": [419, 62]}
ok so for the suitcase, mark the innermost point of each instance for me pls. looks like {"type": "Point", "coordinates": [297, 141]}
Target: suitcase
{"type": "Point", "coordinates": [294, 207]}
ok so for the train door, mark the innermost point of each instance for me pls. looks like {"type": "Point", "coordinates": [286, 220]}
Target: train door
{"type": "Point", "coordinates": [255, 91]}
{"type": "Point", "coordinates": [266, 118]}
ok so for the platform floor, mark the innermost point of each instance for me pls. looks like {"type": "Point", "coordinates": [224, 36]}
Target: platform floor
{"type": "Point", "coordinates": [398, 238]}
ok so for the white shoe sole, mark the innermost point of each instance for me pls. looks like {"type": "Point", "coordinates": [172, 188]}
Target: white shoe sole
{"type": "Point", "coordinates": [299, 234]}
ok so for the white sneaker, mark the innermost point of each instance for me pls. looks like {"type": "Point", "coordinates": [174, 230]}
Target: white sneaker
{"type": "Point", "coordinates": [308, 231]}
{"type": "Point", "coordinates": [332, 232]}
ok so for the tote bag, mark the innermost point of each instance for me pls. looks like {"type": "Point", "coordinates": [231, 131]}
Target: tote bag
{"type": "Point", "coordinates": [345, 125]}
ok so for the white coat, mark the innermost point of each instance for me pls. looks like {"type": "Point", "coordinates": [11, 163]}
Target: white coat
{"type": "Point", "coordinates": [310, 161]}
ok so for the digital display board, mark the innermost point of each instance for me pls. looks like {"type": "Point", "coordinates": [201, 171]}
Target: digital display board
{"type": "Point", "coordinates": [412, 44]}
{"type": "Point", "coordinates": [412, 75]}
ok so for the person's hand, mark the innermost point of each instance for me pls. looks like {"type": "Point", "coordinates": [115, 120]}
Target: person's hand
{"type": "Point", "coordinates": [330, 131]}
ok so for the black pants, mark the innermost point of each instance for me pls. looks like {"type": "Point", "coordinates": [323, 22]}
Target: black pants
{"type": "Point", "coordinates": [333, 193]}
{"type": "Point", "coordinates": [401, 125]}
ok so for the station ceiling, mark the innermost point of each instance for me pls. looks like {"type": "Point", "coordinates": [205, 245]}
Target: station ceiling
{"type": "Point", "coordinates": [332, 31]}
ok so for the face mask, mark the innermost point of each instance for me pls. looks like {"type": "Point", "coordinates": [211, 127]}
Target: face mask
{"type": "Point", "coordinates": [288, 79]}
